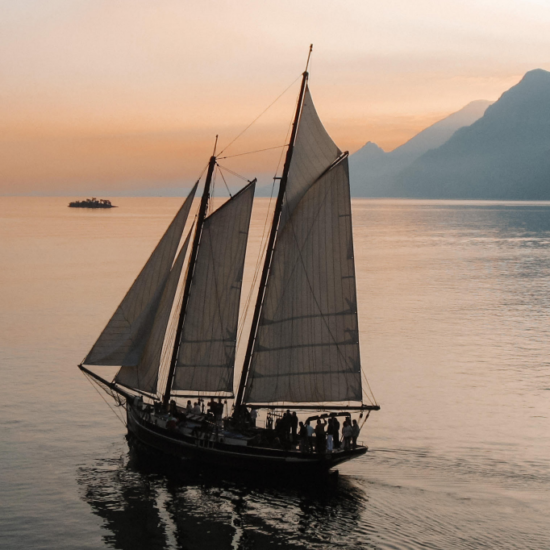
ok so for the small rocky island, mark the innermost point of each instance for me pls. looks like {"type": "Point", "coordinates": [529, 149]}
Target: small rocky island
{"type": "Point", "coordinates": [92, 203]}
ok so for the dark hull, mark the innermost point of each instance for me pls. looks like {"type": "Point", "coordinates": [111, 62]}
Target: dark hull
{"type": "Point", "coordinates": [243, 458]}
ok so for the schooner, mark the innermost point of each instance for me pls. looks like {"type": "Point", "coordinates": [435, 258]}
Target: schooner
{"type": "Point", "coordinates": [182, 312]}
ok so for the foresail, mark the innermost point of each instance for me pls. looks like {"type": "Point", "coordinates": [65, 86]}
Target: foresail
{"type": "Point", "coordinates": [307, 348]}
{"type": "Point", "coordinates": [208, 339]}
{"type": "Point", "coordinates": [144, 377]}
{"type": "Point", "coordinates": [123, 340]}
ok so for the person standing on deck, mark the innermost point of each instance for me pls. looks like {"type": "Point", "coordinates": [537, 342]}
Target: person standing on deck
{"type": "Point", "coordinates": [354, 434]}
{"type": "Point", "coordinates": [294, 425]}
{"type": "Point", "coordinates": [219, 410]}
{"type": "Point", "coordinates": [287, 423]}
{"type": "Point", "coordinates": [310, 432]}
{"type": "Point", "coordinates": [346, 432]}
{"type": "Point", "coordinates": [330, 435]}
{"type": "Point", "coordinates": [304, 443]}
{"type": "Point", "coordinates": [336, 425]}
{"type": "Point", "coordinates": [253, 416]}
{"type": "Point", "coordinates": [212, 406]}
{"type": "Point", "coordinates": [320, 437]}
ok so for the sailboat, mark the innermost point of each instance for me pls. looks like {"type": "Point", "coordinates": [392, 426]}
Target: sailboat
{"type": "Point", "coordinates": [174, 335]}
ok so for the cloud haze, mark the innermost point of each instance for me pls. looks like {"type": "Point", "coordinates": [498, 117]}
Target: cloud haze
{"type": "Point", "coordinates": [128, 95]}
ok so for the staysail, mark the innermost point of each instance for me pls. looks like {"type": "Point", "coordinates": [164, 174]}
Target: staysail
{"type": "Point", "coordinates": [306, 348]}
{"type": "Point", "coordinates": [208, 338]}
{"type": "Point", "coordinates": [123, 339]}
{"type": "Point", "coordinates": [144, 376]}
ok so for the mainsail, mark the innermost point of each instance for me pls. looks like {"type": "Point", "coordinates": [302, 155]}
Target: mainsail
{"type": "Point", "coordinates": [208, 338]}
{"type": "Point", "coordinates": [123, 339]}
{"type": "Point", "coordinates": [306, 348]}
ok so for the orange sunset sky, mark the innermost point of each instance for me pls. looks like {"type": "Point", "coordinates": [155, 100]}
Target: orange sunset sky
{"type": "Point", "coordinates": [125, 96]}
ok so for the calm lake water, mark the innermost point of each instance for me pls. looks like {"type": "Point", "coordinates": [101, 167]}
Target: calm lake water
{"type": "Point", "coordinates": [454, 302]}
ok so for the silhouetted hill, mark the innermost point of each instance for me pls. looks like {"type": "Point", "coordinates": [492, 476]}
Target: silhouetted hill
{"type": "Point", "coordinates": [373, 171]}
{"type": "Point", "coordinates": [504, 155]}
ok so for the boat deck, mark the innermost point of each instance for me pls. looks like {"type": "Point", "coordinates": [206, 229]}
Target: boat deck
{"type": "Point", "coordinates": [212, 444]}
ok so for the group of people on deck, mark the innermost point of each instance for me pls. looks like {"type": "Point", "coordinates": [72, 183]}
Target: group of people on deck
{"type": "Point", "coordinates": [215, 408]}
{"type": "Point", "coordinates": [288, 430]}
{"type": "Point", "coordinates": [327, 441]}
{"type": "Point", "coordinates": [323, 438]}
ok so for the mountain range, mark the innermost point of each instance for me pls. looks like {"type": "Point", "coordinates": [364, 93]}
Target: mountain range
{"type": "Point", "coordinates": [483, 151]}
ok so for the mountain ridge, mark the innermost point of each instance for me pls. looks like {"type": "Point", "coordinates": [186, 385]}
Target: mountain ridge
{"type": "Point", "coordinates": [503, 155]}
{"type": "Point", "coordinates": [373, 170]}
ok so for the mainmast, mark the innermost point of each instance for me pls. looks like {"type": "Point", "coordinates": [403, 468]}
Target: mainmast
{"type": "Point", "coordinates": [190, 269]}
{"type": "Point", "coordinates": [272, 240]}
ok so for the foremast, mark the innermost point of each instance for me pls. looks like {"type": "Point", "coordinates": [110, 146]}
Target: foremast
{"type": "Point", "coordinates": [190, 269]}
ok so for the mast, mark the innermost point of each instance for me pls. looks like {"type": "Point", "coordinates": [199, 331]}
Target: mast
{"type": "Point", "coordinates": [272, 239]}
{"type": "Point", "coordinates": [190, 269]}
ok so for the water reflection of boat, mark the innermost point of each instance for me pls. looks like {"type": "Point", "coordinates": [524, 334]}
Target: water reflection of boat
{"type": "Point", "coordinates": [144, 507]}
{"type": "Point", "coordinates": [176, 340]}
{"type": "Point", "coordinates": [92, 203]}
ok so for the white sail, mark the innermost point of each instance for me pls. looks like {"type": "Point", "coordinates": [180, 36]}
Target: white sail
{"type": "Point", "coordinates": [314, 151]}
{"type": "Point", "coordinates": [208, 339]}
{"type": "Point", "coordinates": [123, 339]}
{"type": "Point", "coordinates": [144, 376]}
{"type": "Point", "coordinates": [306, 348]}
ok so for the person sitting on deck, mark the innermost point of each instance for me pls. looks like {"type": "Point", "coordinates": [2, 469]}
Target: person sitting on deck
{"type": "Point", "coordinates": [196, 408]}
{"type": "Point", "coordinates": [320, 437]}
{"type": "Point", "coordinates": [182, 421]}
{"type": "Point", "coordinates": [189, 407]}
{"type": "Point", "coordinates": [173, 409]}
{"type": "Point", "coordinates": [171, 423]}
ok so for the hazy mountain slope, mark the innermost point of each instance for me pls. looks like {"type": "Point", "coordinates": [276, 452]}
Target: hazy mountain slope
{"type": "Point", "coordinates": [373, 171]}
{"type": "Point", "coordinates": [504, 155]}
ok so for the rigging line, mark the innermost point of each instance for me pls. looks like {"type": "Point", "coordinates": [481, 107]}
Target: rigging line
{"type": "Point", "coordinates": [366, 418]}
{"type": "Point", "coordinates": [365, 379]}
{"type": "Point", "coordinates": [261, 114]}
{"type": "Point", "coordinates": [263, 242]}
{"type": "Point", "coordinates": [223, 178]}
{"type": "Point", "coordinates": [248, 300]}
{"type": "Point", "coordinates": [169, 342]}
{"type": "Point", "coordinates": [259, 262]}
{"type": "Point", "coordinates": [93, 384]}
{"type": "Point", "coordinates": [234, 173]}
{"type": "Point", "coordinates": [203, 171]}
{"type": "Point", "coordinates": [252, 152]}
{"type": "Point", "coordinates": [210, 207]}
